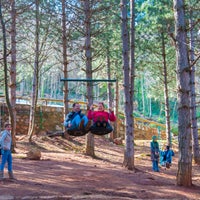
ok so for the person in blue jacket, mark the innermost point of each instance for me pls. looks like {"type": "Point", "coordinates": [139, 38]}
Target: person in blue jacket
{"type": "Point", "coordinates": [75, 120]}
{"type": "Point", "coordinates": [166, 157]}
{"type": "Point", "coordinates": [154, 153]}
{"type": "Point", "coordinates": [5, 142]}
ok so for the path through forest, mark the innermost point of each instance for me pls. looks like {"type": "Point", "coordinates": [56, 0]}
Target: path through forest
{"type": "Point", "coordinates": [64, 172]}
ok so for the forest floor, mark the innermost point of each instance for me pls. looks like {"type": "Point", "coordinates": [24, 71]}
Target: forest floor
{"type": "Point", "coordinates": [65, 172]}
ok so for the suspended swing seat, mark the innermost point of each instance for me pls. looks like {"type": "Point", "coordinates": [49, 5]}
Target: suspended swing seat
{"type": "Point", "coordinates": [76, 132]}
{"type": "Point", "coordinates": [55, 133]}
{"type": "Point", "coordinates": [101, 130]}
{"type": "Point", "coordinates": [72, 132]}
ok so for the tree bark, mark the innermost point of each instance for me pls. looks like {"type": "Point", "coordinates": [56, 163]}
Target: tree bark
{"type": "Point", "coordinates": [13, 69]}
{"type": "Point", "coordinates": [184, 173]}
{"type": "Point", "coordinates": [143, 95]}
{"type": "Point", "coordinates": [35, 78]}
{"type": "Point", "coordinates": [166, 97]}
{"type": "Point", "coordinates": [195, 141]}
{"type": "Point", "coordinates": [110, 95]}
{"type": "Point", "coordinates": [65, 60]}
{"type": "Point", "coordinates": [88, 54]}
{"type": "Point", "coordinates": [116, 109]}
{"type": "Point", "coordinates": [5, 64]}
{"type": "Point", "coordinates": [132, 73]}
{"type": "Point", "coordinates": [128, 154]}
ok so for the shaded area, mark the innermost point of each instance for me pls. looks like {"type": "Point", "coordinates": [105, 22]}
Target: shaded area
{"type": "Point", "coordinates": [66, 173]}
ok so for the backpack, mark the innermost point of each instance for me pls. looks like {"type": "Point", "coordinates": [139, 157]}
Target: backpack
{"type": "Point", "coordinates": [1, 133]}
{"type": "Point", "coordinates": [0, 140]}
{"type": "Point", "coordinates": [172, 153]}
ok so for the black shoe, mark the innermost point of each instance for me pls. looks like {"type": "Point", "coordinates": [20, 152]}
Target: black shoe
{"type": "Point", "coordinates": [65, 134]}
{"type": "Point", "coordinates": [98, 124]}
{"type": "Point", "coordinates": [81, 125]}
{"type": "Point", "coordinates": [87, 128]}
{"type": "Point", "coordinates": [104, 124]}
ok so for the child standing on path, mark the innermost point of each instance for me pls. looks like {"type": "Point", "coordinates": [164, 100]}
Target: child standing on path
{"type": "Point", "coordinates": [154, 153]}
{"type": "Point", "coordinates": [5, 142]}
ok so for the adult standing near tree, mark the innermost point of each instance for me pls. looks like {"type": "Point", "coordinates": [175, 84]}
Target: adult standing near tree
{"type": "Point", "coordinates": [5, 142]}
{"type": "Point", "coordinates": [154, 153]}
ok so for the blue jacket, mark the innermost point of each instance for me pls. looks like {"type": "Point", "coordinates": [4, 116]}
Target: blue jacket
{"type": "Point", "coordinates": [166, 155]}
{"type": "Point", "coordinates": [6, 140]}
{"type": "Point", "coordinates": [71, 116]}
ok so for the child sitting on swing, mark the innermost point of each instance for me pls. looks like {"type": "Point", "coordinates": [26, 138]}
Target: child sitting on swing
{"type": "Point", "coordinates": [76, 120]}
{"type": "Point", "coordinates": [100, 117]}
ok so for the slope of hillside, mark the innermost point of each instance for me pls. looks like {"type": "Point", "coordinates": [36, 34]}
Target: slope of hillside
{"type": "Point", "coordinates": [64, 172]}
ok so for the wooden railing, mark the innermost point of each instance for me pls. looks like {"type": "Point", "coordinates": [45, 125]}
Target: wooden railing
{"type": "Point", "coordinates": [141, 125]}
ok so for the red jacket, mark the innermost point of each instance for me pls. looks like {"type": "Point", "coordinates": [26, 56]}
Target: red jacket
{"type": "Point", "coordinates": [101, 116]}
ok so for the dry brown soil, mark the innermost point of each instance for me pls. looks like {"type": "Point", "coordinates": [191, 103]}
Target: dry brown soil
{"type": "Point", "coordinates": [65, 172]}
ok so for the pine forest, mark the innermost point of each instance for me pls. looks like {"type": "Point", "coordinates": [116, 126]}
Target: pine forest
{"type": "Point", "coordinates": [140, 57]}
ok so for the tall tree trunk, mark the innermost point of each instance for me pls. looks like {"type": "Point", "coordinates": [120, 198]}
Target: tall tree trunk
{"type": "Point", "coordinates": [150, 108]}
{"type": "Point", "coordinates": [195, 141]}
{"type": "Point", "coordinates": [128, 154]}
{"type": "Point", "coordinates": [116, 109]}
{"type": "Point", "coordinates": [110, 96]}
{"type": "Point", "coordinates": [35, 78]}
{"type": "Point", "coordinates": [65, 61]}
{"type": "Point", "coordinates": [5, 64]}
{"type": "Point", "coordinates": [184, 174]}
{"type": "Point", "coordinates": [132, 74]}
{"type": "Point", "coordinates": [132, 52]}
{"type": "Point", "coordinates": [143, 95]}
{"type": "Point", "coordinates": [88, 54]}
{"type": "Point", "coordinates": [174, 109]}
{"type": "Point", "coordinates": [167, 110]}
{"type": "Point", "coordinates": [13, 69]}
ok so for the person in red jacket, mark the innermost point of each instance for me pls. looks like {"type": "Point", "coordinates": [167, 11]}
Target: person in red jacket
{"type": "Point", "coordinates": [101, 117]}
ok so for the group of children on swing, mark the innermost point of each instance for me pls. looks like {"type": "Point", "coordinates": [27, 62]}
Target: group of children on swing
{"type": "Point", "coordinates": [164, 157]}
{"type": "Point", "coordinates": [96, 121]}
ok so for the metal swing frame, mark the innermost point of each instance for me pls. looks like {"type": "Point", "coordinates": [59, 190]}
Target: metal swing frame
{"type": "Point", "coordinates": [88, 80]}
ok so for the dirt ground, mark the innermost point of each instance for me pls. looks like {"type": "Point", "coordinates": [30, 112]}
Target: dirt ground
{"type": "Point", "coordinates": [64, 172]}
